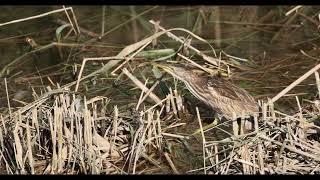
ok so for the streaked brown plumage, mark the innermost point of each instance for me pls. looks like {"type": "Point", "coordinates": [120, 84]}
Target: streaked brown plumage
{"type": "Point", "coordinates": [221, 95]}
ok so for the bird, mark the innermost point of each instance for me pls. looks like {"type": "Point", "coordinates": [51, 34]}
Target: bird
{"type": "Point", "coordinates": [225, 98]}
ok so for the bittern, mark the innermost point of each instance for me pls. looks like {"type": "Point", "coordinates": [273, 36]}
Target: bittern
{"type": "Point", "coordinates": [224, 97]}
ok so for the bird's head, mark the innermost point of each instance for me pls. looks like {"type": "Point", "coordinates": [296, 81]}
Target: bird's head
{"type": "Point", "coordinates": [187, 72]}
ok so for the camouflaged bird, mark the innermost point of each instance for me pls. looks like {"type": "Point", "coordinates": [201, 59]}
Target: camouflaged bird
{"type": "Point", "coordinates": [221, 95]}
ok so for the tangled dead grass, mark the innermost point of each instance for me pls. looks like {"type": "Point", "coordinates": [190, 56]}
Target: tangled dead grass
{"type": "Point", "coordinates": [63, 132]}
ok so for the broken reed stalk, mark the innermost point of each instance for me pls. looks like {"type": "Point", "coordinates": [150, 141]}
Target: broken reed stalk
{"type": "Point", "coordinates": [292, 10]}
{"type": "Point", "coordinates": [8, 99]}
{"type": "Point", "coordinates": [141, 95]}
{"type": "Point", "coordinates": [138, 83]}
{"type": "Point", "coordinates": [174, 106]}
{"type": "Point", "coordinates": [103, 20]}
{"type": "Point", "coordinates": [18, 149]}
{"type": "Point", "coordinates": [127, 59]}
{"type": "Point", "coordinates": [142, 99]}
{"type": "Point", "coordinates": [91, 74]}
{"type": "Point", "coordinates": [158, 104]}
{"type": "Point", "coordinates": [173, 167]}
{"type": "Point", "coordinates": [316, 74]}
{"type": "Point", "coordinates": [159, 130]}
{"type": "Point", "coordinates": [299, 108]}
{"type": "Point", "coordinates": [174, 135]}
{"type": "Point", "coordinates": [30, 156]}
{"type": "Point", "coordinates": [203, 141]}
{"type": "Point", "coordinates": [115, 126]}
{"type": "Point", "coordinates": [36, 16]}
{"type": "Point", "coordinates": [295, 83]}
{"type": "Point", "coordinates": [76, 31]}
{"type": "Point", "coordinates": [140, 145]}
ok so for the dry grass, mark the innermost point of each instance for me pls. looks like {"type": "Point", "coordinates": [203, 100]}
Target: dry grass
{"type": "Point", "coordinates": [131, 128]}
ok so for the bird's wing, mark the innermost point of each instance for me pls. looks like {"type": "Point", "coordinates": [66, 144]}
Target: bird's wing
{"type": "Point", "coordinates": [229, 90]}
